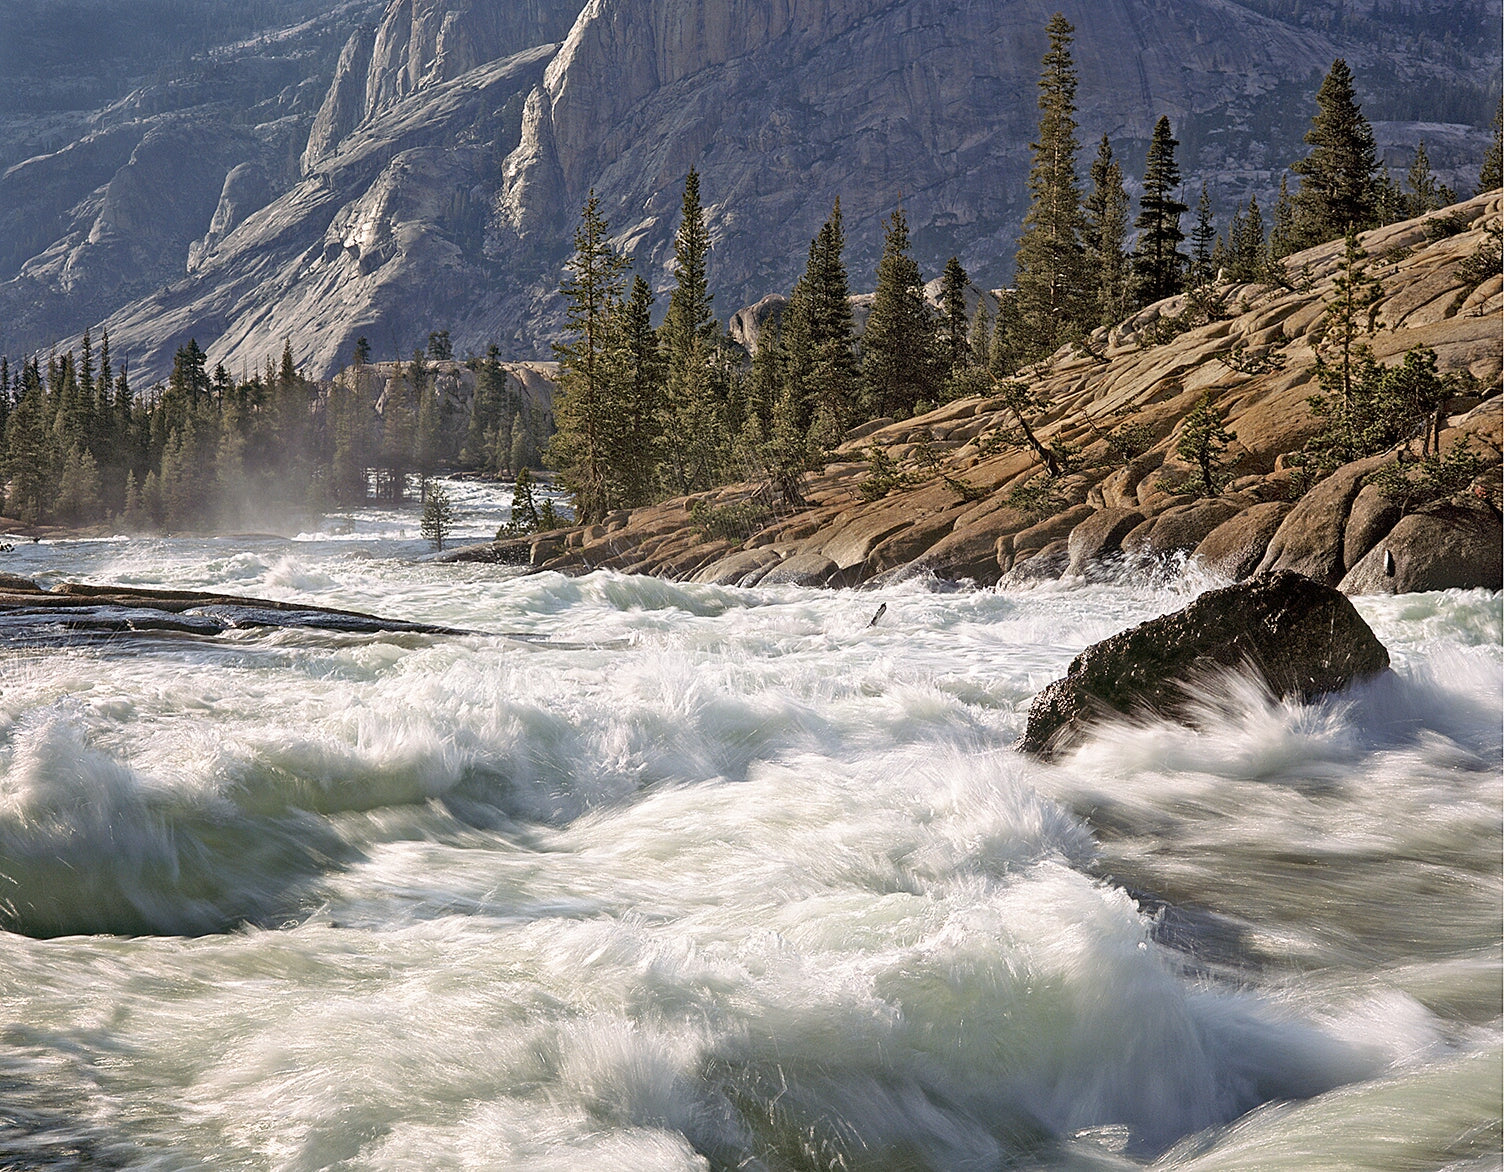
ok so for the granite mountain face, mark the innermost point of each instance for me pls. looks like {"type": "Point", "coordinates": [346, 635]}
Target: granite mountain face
{"type": "Point", "coordinates": [320, 171]}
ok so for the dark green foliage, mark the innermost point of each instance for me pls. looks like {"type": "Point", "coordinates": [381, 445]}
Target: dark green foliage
{"type": "Point", "coordinates": [439, 347]}
{"type": "Point", "coordinates": [586, 407]}
{"type": "Point", "coordinates": [955, 349]}
{"type": "Point", "coordinates": [1054, 288]}
{"type": "Point", "coordinates": [1158, 264]}
{"type": "Point", "coordinates": [638, 377]}
{"type": "Point", "coordinates": [1344, 363]}
{"type": "Point", "coordinates": [1425, 193]}
{"type": "Point", "coordinates": [1282, 235]}
{"type": "Point", "coordinates": [1411, 483]}
{"type": "Point", "coordinates": [1337, 177]}
{"type": "Point", "coordinates": [1106, 258]}
{"type": "Point", "coordinates": [1485, 260]}
{"type": "Point", "coordinates": [902, 365]}
{"type": "Point", "coordinates": [696, 423]}
{"type": "Point", "coordinates": [735, 521]}
{"type": "Point", "coordinates": [1203, 236]}
{"type": "Point", "coordinates": [198, 451]}
{"type": "Point", "coordinates": [1491, 174]}
{"type": "Point", "coordinates": [524, 511]}
{"type": "Point", "coordinates": [1026, 402]}
{"type": "Point", "coordinates": [883, 476]}
{"type": "Point", "coordinates": [438, 517]}
{"type": "Point", "coordinates": [1127, 441]}
{"type": "Point", "coordinates": [805, 388]}
{"type": "Point", "coordinates": [1039, 496]}
{"type": "Point", "coordinates": [1203, 440]}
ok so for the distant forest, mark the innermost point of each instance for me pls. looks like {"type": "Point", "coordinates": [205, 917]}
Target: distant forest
{"type": "Point", "coordinates": [643, 412]}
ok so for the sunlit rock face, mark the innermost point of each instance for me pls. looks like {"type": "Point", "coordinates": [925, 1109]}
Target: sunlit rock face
{"type": "Point", "coordinates": [388, 168]}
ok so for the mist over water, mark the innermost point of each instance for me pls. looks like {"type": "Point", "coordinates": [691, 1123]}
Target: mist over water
{"type": "Point", "coordinates": [643, 875]}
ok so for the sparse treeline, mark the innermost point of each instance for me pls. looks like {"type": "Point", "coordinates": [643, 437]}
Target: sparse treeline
{"type": "Point", "coordinates": [204, 450]}
{"type": "Point", "coordinates": [644, 414]}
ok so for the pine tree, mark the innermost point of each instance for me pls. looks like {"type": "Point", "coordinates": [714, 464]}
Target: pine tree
{"type": "Point", "coordinates": [694, 426]}
{"type": "Point", "coordinates": [1426, 192]}
{"type": "Point", "coordinates": [523, 513]}
{"type": "Point", "coordinates": [30, 455]}
{"type": "Point", "coordinates": [638, 374]}
{"type": "Point", "coordinates": [1343, 358]}
{"type": "Point", "coordinates": [585, 411]}
{"type": "Point", "coordinates": [437, 522]}
{"type": "Point", "coordinates": [1054, 291]}
{"type": "Point", "coordinates": [1107, 236]}
{"type": "Point", "coordinates": [1282, 241]}
{"type": "Point", "coordinates": [830, 382]}
{"type": "Point", "coordinates": [900, 355]}
{"type": "Point", "coordinates": [1203, 236]}
{"type": "Point", "coordinates": [1202, 442]}
{"type": "Point", "coordinates": [1337, 177]}
{"type": "Point", "coordinates": [1491, 174]}
{"type": "Point", "coordinates": [980, 334]}
{"type": "Point", "coordinates": [1158, 263]}
{"type": "Point", "coordinates": [1248, 249]}
{"type": "Point", "coordinates": [955, 350]}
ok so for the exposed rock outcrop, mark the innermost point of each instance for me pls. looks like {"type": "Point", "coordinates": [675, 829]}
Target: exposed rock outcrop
{"type": "Point", "coordinates": [1298, 637]}
{"type": "Point", "coordinates": [1438, 547]}
{"type": "Point", "coordinates": [964, 519]}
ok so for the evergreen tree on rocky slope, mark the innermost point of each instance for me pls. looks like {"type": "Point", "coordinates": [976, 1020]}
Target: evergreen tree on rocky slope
{"type": "Point", "coordinates": [1158, 264]}
{"type": "Point", "coordinates": [1053, 290]}
{"type": "Point", "coordinates": [695, 419]}
{"type": "Point", "coordinates": [1337, 178]}
{"type": "Point", "coordinates": [901, 364]}
{"type": "Point", "coordinates": [585, 407]}
{"type": "Point", "coordinates": [1107, 236]}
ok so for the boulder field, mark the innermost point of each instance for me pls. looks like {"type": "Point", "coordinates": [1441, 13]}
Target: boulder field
{"type": "Point", "coordinates": [955, 513]}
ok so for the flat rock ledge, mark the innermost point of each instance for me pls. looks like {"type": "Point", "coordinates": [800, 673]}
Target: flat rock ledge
{"type": "Point", "coordinates": [75, 609]}
{"type": "Point", "coordinates": [1302, 638]}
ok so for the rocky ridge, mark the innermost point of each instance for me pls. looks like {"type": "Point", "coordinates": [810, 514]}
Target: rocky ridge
{"type": "Point", "coordinates": [956, 517]}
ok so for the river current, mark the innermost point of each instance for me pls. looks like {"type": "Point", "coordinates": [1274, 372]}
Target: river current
{"type": "Point", "coordinates": [658, 876]}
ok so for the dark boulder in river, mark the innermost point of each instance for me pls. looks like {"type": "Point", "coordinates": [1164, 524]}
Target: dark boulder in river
{"type": "Point", "coordinates": [1302, 638]}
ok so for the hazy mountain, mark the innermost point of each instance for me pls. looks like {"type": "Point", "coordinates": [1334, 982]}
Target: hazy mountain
{"type": "Point", "coordinates": [244, 172]}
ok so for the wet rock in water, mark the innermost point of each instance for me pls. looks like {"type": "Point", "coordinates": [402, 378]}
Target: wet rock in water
{"type": "Point", "coordinates": [802, 569]}
{"type": "Point", "coordinates": [1301, 637]}
{"type": "Point", "coordinates": [1100, 537]}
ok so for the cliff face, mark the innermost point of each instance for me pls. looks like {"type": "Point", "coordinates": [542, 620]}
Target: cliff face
{"type": "Point", "coordinates": [393, 166]}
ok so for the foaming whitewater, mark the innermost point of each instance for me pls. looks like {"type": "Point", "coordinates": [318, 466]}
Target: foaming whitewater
{"type": "Point", "coordinates": [647, 875]}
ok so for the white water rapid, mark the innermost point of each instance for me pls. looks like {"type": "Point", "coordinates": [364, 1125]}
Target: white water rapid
{"type": "Point", "coordinates": [650, 876]}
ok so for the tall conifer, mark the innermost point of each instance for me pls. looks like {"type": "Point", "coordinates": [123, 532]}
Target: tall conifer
{"type": "Point", "coordinates": [1203, 235]}
{"type": "Point", "coordinates": [695, 402]}
{"type": "Point", "coordinates": [954, 347]}
{"type": "Point", "coordinates": [584, 411]}
{"type": "Point", "coordinates": [1054, 300]}
{"type": "Point", "coordinates": [1107, 236]}
{"type": "Point", "coordinates": [1337, 178]}
{"type": "Point", "coordinates": [901, 366]}
{"type": "Point", "coordinates": [1158, 264]}
{"type": "Point", "coordinates": [1491, 174]}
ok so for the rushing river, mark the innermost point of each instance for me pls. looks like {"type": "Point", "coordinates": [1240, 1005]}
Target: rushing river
{"type": "Point", "coordinates": [659, 876]}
